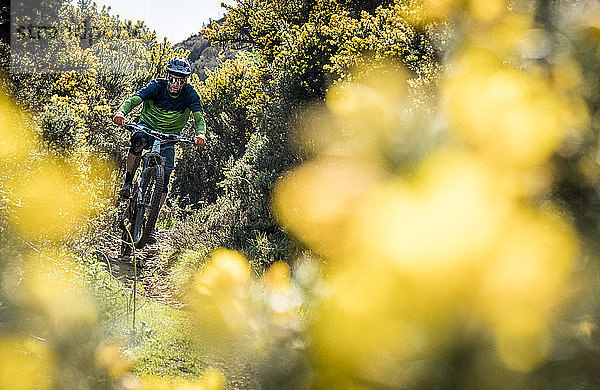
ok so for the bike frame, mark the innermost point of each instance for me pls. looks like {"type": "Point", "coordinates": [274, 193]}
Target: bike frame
{"type": "Point", "coordinates": [137, 203]}
{"type": "Point", "coordinates": [153, 157]}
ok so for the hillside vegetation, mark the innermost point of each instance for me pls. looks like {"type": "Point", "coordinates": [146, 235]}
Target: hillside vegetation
{"type": "Point", "coordinates": [393, 195]}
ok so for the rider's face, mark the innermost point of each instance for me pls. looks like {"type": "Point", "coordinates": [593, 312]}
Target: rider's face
{"type": "Point", "coordinates": [175, 83]}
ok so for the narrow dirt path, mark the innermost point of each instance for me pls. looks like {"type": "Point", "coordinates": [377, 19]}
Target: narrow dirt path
{"type": "Point", "coordinates": [152, 270]}
{"type": "Point", "coordinates": [153, 274]}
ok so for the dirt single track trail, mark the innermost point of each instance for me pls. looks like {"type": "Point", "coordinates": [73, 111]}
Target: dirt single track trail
{"type": "Point", "coordinates": [152, 270]}
{"type": "Point", "coordinates": [153, 275]}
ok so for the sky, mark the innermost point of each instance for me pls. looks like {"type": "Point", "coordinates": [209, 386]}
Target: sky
{"type": "Point", "coordinates": [175, 19]}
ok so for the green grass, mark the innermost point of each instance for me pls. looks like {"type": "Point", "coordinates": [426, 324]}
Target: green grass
{"type": "Point", "coordinates": [185, 267]}
{"type": "Point", "coordinates": [162, 347]}
{"type": "Point", "coordinates": [159, 342]}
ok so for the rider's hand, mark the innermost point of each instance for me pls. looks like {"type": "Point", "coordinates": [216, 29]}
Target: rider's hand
{"type": "Point", "coordinates": [199, 140]}
{"type": "Point", "coordinates": [119, 119]}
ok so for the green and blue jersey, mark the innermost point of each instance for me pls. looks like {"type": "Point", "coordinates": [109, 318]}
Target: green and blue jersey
{"type": "Point", "coordinates": [165, 112]}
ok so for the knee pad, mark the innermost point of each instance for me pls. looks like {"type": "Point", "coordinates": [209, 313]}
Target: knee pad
{"type": "Point", "coordinates": [138, 146]}
{"type": "Point", "coordinates": [138, 143]}
{"type": "Point", "coordinates": [136, 149]}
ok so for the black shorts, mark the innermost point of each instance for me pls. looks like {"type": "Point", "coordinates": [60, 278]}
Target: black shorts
{"type": "Point", "coordinates": [141, 141]}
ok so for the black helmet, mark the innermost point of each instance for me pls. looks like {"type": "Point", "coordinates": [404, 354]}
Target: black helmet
{"type": "Point", "coordinates": [179, 66]}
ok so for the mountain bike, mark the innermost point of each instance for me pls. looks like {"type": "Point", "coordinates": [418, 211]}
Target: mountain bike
{"type": "Point", "coordinates": [142, 207]}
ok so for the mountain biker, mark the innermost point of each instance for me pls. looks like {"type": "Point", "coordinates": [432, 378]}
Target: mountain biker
{"type": "Point", "coordinates": [167, 104]}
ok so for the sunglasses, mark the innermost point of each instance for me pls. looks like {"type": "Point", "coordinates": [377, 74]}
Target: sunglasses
{"type": "Point", "coordinates": [176, 80]}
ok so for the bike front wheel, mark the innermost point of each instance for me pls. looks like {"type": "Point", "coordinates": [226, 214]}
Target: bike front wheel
{"type": "Point", "coordinates": [148, 204]}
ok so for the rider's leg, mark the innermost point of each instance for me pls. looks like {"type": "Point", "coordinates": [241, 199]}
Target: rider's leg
{"type": "Point", "coordinates": [131, 165]}
{"type": "Point", "coordinates": [138, 142]}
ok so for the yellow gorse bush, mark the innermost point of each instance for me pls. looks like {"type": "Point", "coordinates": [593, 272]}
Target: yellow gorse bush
{"type": "Point", "coordinates": [46, 196]}
{"type": "Point", "coordinates": [463, 246]}
{"type": "Point", "coordinates": [232, 305]}
{"type": "Point", "coordinates": [26, 363]}
{"type": "Point", "coordinates": [458, 245]}
{"type": "Point", "coordinates": [212, 379]}
{"type": "Point", "coordinates": [52, 185]}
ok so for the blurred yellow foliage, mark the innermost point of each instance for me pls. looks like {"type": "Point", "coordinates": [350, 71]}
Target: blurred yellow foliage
{"type": "Point", "coordinates": [256, 314]}
{"type": "Point", "coordinates": [212, 379]}
{"type": "Point", "coordinates": [487, 10]}
{"type": "Point", "coordinates": [511, 117]}
{"type": "Point", "coordinates": [112, 359]}
{"type": "Point", "coordinates": [277, 277]}
{"type": "Point", "coordinates": [227, 271]}
{"type": "Point", "coordinates": [222, 292]}
{"type": "Point", "coordinates": [25, 363]}
{"type": "Point", "coordinates": [15, 137]}
{"type": "Point", "coordinates": [48, 202]}
{"type": "Point", "coordinates": [413, 260]}
{"type": "Point", "coordinates": [480, 10]}
{"type": "Point", "coordinates": [45, 196]}
{"type": "Point", "coordinates": [53, 285]}
{"type": "Point", "coordinates": [315, 200]}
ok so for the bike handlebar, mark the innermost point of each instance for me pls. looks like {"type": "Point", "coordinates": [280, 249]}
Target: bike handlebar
{"type": "Point", "coordinates": [157, 134]}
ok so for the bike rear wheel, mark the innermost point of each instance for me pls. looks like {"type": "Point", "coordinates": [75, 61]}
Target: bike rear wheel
{"type": "Point", "coordinates": [149, 204]}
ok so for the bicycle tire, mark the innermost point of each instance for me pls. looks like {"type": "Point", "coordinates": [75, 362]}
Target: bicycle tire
{"type": "Point", "coordinates": [147, 212]}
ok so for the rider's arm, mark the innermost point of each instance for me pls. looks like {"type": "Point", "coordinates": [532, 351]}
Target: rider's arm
{"type": "Point", "coordinates": [130, 104]}
{"type": "Point", "coordinates": [147, 92]}
{"type": "Point", "coordinates": [199, 122]}
{"type": "Point", "coordinates": [195, 105]}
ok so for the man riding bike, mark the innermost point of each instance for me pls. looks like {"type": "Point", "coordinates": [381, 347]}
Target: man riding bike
{"type": "Point", "coordinates": [167, 104]}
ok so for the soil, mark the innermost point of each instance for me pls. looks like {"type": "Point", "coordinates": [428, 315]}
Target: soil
{"type": "Point", "coordinates": [152, 271]}
{"type": "Point", "coordinates": [151, 267]}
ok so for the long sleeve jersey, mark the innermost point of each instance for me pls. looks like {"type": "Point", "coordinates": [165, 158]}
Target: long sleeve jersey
{"type": "Point", "coordinates": [165, 112]}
